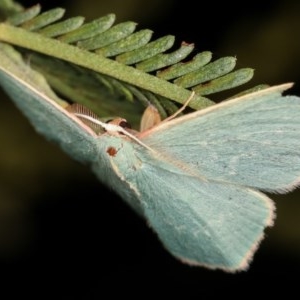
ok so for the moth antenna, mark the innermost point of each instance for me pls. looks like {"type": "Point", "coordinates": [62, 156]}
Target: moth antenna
{"type": "Point", "coordinates": [181, 109]}
{"type": "Point", "coordinates": [113, 128]}
{"type": "Point", "coordinates": [80, 110]}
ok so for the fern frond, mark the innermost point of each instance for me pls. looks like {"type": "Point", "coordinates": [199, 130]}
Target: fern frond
{"type": "Point", "coordinates": [98, 63]}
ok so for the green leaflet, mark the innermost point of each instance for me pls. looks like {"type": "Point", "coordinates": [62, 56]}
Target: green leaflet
{"type": "Point", "coordinates": [72, 51]}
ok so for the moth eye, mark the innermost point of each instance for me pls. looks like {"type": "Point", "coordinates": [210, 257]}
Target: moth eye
{"type": "Point", "coordinates": [120, 122]}
{"type": "Point", "coordinates": [124, 124]}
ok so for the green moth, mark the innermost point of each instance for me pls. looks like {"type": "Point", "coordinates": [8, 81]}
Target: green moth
{"type": "Point", "coordinates": [196, 179]}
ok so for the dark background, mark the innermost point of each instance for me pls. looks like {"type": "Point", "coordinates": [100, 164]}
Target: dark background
{"type": "Point", "coordinates": [65, 236]}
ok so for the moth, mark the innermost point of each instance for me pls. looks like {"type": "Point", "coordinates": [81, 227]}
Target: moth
{"type": "Point", "coordinates": [198, 179]}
